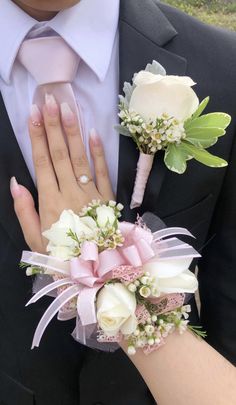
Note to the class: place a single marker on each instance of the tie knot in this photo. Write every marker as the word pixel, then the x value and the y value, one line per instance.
pixel 49 60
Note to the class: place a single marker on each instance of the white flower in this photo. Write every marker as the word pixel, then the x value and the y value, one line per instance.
pixel 172 276
pixel 29 271
pixel 132 287
pixel 183 326
pixel 145 291
pixel 60 244
pixel 105 215
pixel 131 350
pixel 149 329
pixel 116 310
pixel 61 252
pixel 156 95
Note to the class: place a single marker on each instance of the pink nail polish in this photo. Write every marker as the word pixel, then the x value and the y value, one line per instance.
pixel 36 116
pixel 14 187
pixel 51 104
pixel 68 117
pixel 95 138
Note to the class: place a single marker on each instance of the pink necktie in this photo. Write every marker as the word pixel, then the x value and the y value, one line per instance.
pixel 53 65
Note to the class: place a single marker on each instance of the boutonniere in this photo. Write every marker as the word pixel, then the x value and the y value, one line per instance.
pixel 161 112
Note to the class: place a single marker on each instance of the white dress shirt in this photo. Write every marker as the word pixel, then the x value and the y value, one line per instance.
pixel 91 29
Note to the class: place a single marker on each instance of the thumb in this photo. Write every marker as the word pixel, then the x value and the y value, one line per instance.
pixel 27 215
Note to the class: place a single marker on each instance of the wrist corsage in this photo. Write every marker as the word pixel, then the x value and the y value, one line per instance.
pixel 117 279
pixel 162 113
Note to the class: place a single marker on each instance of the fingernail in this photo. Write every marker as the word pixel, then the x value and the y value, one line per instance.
pixel 14 187
pixel 35 115
pixel 51 105
pixel 68 117
pixel 95 138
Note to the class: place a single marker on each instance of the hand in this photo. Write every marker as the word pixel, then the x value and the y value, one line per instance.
pixel 58 169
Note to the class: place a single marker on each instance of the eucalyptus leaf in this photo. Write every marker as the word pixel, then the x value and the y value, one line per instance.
pixel 123 102
pixel 199 111
pixel 175 158
pixel 216 120
pixel 202 156
pixel 122 130
pixel 156 68
pixel 128 91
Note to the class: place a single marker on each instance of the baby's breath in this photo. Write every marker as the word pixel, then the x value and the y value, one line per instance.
pixel 107 237
pixel 153 135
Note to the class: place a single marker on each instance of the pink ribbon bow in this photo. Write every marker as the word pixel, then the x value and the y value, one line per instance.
pixel 91 270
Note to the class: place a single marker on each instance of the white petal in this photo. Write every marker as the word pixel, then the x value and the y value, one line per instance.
pixel 185 80
pixel 129 326
pixel 58 236
pixel 106 300
pixel 67 219
pixel 105 214
pixel 153 100
pixel 144 77
pixel 123 295
pixel 61 252
pixel 88 221
pixel 167 268
pixel 183 283
pixel 81 228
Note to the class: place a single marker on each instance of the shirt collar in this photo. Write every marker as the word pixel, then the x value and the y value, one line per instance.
pixel 89 28
pixel 14 26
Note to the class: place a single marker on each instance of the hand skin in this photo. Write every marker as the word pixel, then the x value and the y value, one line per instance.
pixel 187 371
pixel 43 10
pixel 58 168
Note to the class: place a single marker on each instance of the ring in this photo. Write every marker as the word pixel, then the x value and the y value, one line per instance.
pixel 84 179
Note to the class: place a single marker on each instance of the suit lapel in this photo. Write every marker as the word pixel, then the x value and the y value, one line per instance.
pixel 11 164
pixel 144 31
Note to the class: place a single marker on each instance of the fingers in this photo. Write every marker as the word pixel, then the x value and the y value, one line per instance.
pixel 27 216
pixel 45 175
pixel 76 147
pixel 57 145
pixel 100 166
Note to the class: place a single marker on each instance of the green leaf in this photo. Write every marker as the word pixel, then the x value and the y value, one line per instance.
pixel 122 130
pixel 196 330
pixel 201 108
pixel 215 120
pixel 204 137
pixel 203 143
pixel 202 156
pixel 175 158
pixel 205 133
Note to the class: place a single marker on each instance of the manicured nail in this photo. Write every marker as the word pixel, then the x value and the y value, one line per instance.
pixel 68 117
pixel 36 116
pixel 51 105
pixel 95 138
pixel 14 187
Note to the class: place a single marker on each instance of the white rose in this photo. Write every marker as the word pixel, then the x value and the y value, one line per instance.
pixel 57 234
pixel 116 310
pixel 104 215
pixel 157 94
pixel 61 252
pixel 85 226
pixel 172 276
pixel 60 244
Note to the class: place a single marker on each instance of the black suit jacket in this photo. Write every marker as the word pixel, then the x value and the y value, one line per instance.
pixel 62 372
